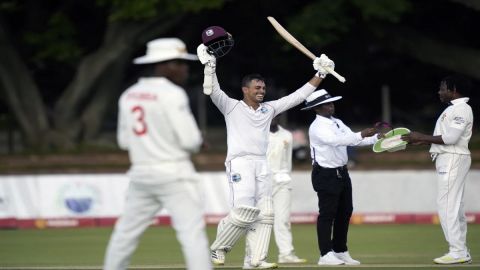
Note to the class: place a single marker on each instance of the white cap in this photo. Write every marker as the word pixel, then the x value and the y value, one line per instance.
pixel 319 97
pixel 164 49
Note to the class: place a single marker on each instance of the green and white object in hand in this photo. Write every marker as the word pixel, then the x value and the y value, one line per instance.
pixel 392 141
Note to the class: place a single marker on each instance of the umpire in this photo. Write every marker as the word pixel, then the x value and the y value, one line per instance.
pixel 329 138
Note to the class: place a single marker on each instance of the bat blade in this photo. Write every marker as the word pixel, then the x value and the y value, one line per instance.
pixel 292 40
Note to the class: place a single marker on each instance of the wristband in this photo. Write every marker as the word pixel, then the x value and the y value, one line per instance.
pixel 321 75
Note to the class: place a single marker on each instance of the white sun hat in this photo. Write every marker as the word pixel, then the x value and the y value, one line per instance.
pixel 164 49
pixel 319 97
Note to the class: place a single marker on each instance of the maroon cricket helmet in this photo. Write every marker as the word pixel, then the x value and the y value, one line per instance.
pixel 218 41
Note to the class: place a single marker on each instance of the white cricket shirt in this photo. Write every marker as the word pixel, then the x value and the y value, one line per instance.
pixel 247 129
pixel 329 138
pixel 459 116
pixel 156 126
pixel 279 154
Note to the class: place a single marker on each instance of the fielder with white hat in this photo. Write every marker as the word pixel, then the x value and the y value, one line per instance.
pixel 157 128
pixel 329 138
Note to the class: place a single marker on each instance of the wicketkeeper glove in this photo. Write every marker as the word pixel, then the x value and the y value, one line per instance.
pixel 204 57
pixel 320 63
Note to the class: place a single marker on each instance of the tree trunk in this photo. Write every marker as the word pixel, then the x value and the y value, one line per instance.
pixel 99 76
pixel 68 107
pixel 94 114
pixel 22 94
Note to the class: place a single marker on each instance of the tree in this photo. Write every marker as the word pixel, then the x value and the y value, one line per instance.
pixel 26 46
pixel 393 23
pixel 60 82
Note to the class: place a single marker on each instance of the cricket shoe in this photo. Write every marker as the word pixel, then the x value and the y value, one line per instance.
pixel 262 265
pixel 290 258
pixel 218 256
pixel 450 259
pixel 346 258
pixel 330 259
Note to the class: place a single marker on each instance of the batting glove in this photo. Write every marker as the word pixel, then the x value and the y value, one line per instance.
pixel 320 63
pixel 204 57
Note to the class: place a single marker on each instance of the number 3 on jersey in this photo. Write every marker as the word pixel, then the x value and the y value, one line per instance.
pixel 140 126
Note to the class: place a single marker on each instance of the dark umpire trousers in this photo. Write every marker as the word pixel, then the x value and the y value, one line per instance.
pixel 335 207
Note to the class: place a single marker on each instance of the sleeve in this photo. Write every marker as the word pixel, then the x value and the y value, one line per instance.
pixel 457 124
pixel 368 140
pixel 459 119
pixel 349 138
pixel 363 141
pixel 292 100
pixel 223 102
pixel 452 135
pixel 184 124
pixel 122 127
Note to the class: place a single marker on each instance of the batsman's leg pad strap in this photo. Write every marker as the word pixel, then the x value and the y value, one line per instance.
pixel 234 226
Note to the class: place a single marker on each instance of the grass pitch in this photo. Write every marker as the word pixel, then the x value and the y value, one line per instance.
pixel 376 246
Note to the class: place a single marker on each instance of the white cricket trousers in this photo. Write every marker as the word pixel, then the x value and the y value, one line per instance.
pixel 181 199
pixel 452 170
pixel 282 200
pixel 249 180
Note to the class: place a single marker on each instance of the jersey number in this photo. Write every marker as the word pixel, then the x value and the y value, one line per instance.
pixel 140 125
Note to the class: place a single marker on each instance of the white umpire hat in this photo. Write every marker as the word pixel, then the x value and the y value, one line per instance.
pixel 164 49
pixel 319 97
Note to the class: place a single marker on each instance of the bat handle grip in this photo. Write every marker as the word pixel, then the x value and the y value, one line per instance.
pixel 208 84
pixel 335 74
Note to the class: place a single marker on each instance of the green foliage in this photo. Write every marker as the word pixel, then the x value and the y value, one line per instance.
pixel 134 10
pixel 387 10
pixel 324 22
pixel 57 41
pixel 190 5
pixel 320 23
pixel 9 5
pixel 147 9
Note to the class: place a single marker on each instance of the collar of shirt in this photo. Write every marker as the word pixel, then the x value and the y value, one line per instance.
pixel 459 100
pixel 250 107
pixel 326 120
pixel 154 80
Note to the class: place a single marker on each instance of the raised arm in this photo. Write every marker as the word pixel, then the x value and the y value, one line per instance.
pixel 211 86
pixel 297 97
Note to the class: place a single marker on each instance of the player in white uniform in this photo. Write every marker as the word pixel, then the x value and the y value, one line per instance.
pixel 449 149
pixel 157 128
pixel 279 158
pixel 248 124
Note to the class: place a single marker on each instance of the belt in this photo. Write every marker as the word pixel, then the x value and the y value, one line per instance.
pixel 337 169
pixel 344 167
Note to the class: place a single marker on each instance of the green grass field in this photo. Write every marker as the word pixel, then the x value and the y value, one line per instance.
pixel 376 246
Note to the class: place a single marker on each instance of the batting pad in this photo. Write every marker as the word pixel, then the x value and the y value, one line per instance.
pixel 232 227
pixel 258 238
